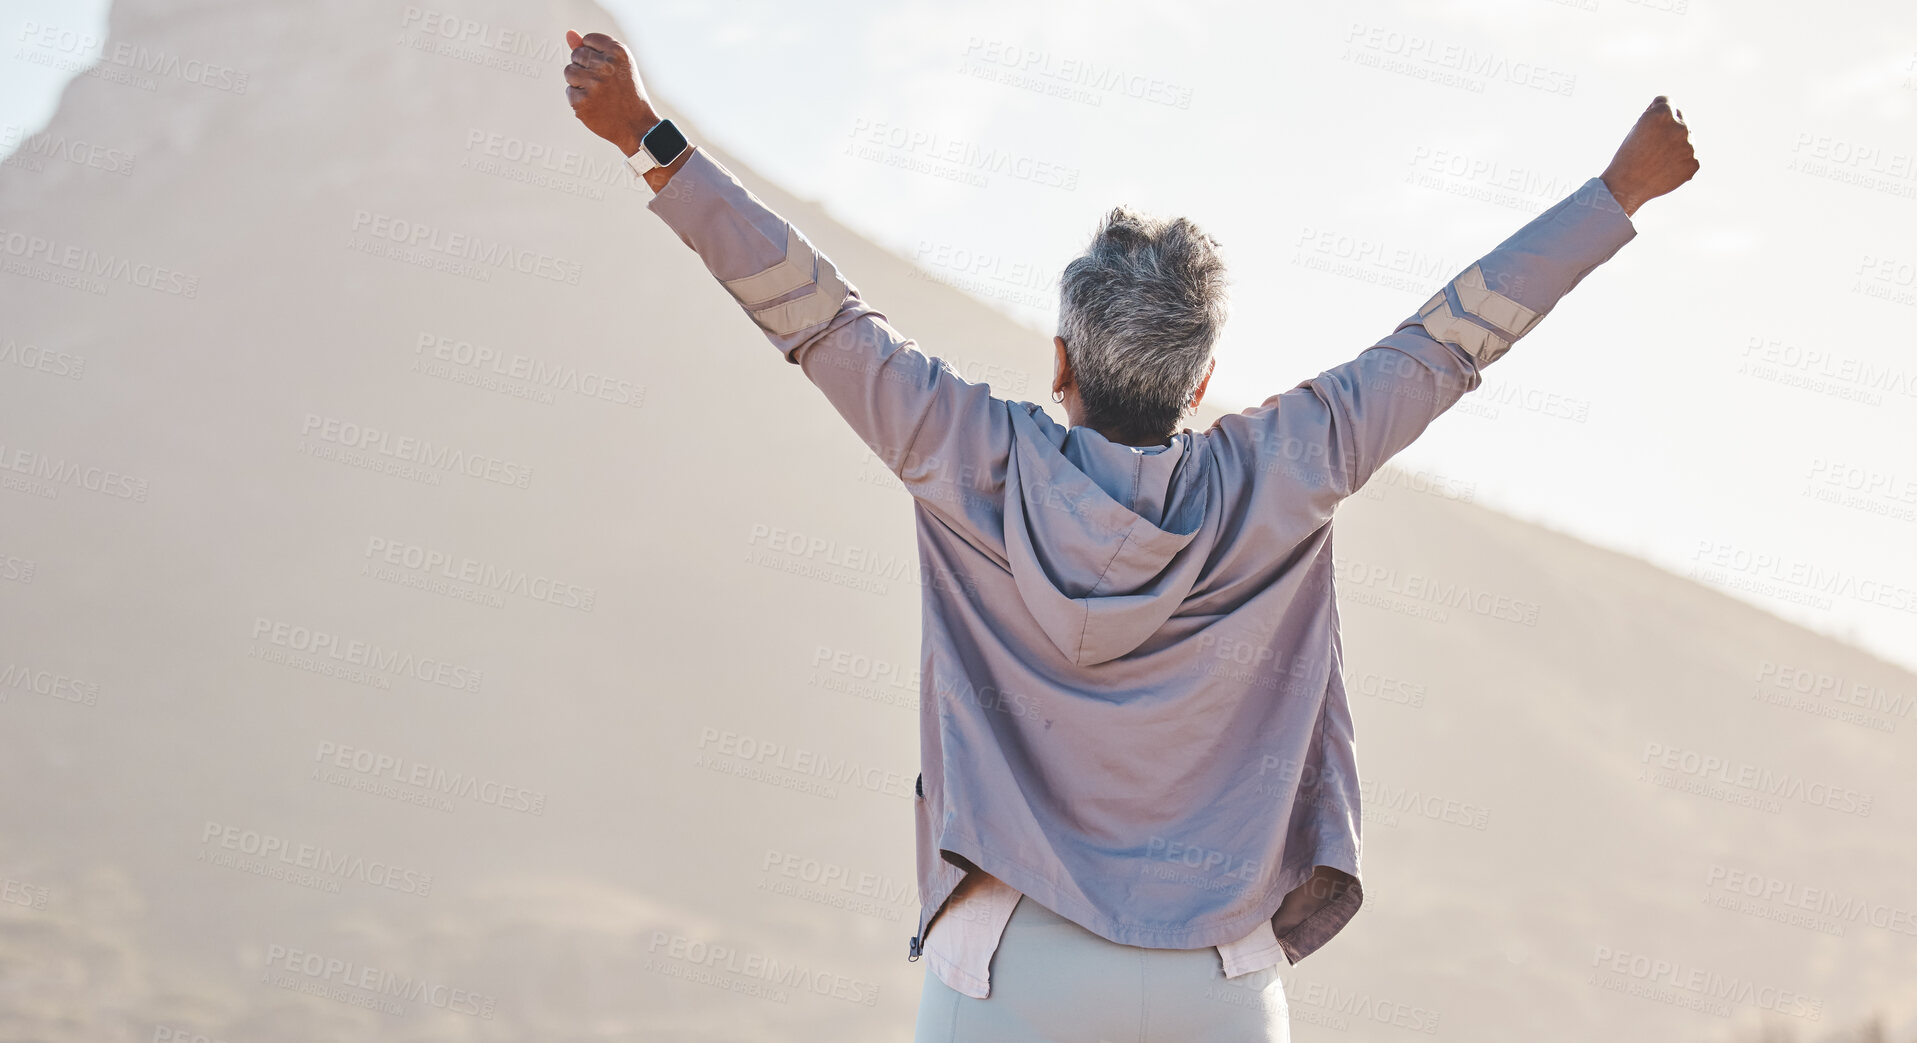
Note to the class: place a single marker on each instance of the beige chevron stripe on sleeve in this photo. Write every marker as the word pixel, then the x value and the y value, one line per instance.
pixel 1493 307
pixel 782 278
pixel 809 310
pixel 1480 343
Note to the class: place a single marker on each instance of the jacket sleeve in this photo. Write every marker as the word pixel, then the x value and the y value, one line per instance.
pixel 1318 443
pixel 942 435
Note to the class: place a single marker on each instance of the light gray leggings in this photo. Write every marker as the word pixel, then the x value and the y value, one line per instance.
pixel 1056 982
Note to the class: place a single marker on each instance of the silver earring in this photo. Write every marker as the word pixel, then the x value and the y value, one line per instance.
pixel 1058 396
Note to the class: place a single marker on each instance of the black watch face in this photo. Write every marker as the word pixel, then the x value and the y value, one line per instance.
pixel 664 142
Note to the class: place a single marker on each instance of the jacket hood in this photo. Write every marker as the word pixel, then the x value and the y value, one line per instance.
pixel 1100 535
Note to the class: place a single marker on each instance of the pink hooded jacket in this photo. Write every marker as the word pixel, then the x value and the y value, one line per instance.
pixel 1132 708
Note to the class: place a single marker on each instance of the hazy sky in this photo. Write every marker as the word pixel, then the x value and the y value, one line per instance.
pixel 1734 396
pixel 29 90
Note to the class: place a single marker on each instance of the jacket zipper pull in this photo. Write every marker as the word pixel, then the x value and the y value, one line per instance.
pixel 912 950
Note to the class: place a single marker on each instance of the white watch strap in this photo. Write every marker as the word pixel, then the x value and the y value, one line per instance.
pixel 641 161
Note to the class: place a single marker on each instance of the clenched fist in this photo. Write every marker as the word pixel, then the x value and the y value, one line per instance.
pixel 605 92
pixel 1655 158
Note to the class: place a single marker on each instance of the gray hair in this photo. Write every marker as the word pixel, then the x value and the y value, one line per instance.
pixel 1139 313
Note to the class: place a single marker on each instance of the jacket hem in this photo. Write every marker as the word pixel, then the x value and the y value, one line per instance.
pixel 957 980
pixel 1028 882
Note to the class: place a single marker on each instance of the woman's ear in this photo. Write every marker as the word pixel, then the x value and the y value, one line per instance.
pixel 1200 393
pixel 1061 365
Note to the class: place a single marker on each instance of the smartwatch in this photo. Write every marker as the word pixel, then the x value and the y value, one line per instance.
pixel 661 145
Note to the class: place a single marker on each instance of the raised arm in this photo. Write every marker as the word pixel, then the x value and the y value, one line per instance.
pixel 1320 442
pixel 945 437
